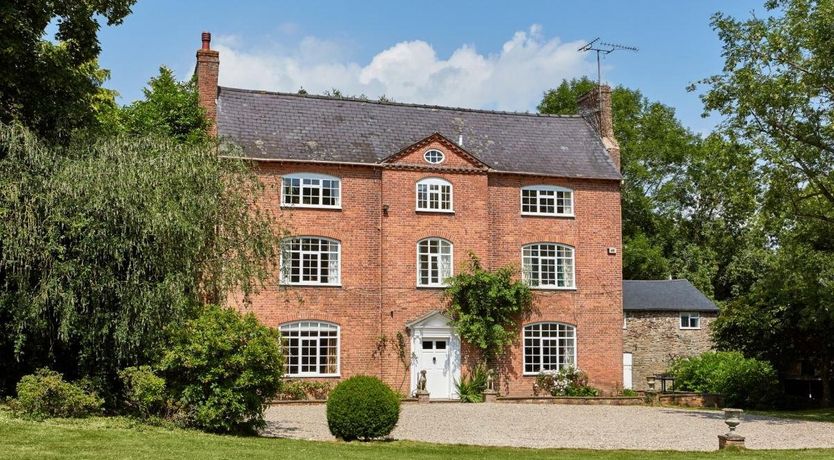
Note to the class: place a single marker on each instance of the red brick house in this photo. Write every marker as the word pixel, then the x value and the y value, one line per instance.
pixel 385 200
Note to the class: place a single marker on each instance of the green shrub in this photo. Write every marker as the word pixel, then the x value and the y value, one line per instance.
pixel 222 368
pixel 46 394
pixel 144 391
pixel 743 382
pixel 302 390
pixel 363 408
pixel 629 392
pixel 471 390
pixel 567 381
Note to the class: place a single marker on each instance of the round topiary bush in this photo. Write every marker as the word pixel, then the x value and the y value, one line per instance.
pixel 363 408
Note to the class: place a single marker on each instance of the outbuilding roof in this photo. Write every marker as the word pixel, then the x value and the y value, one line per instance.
pixel 284 126
pixel 664 295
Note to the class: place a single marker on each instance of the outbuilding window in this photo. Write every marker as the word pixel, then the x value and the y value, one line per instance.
pixel 546 200
pixel 311 349
pixel 434 262
pixel 307 190
pixel 434 195
pixel 310 261
pixel 549 347
pixel 548 266
pixel 690 320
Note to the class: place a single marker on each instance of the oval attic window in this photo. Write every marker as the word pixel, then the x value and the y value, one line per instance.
pixel 433 156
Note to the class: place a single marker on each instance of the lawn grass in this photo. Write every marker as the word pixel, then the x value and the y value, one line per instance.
pixel 811 415
pixel 116 437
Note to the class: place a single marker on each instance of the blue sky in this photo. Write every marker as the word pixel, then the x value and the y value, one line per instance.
pixel 495 55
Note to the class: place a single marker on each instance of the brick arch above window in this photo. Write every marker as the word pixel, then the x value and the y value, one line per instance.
pixel 435 194
pixel 311 190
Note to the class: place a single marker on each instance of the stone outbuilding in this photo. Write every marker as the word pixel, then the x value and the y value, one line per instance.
pixel 662 320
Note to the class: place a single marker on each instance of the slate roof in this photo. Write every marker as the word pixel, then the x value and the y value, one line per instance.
pixel 664 295
pixel 304 127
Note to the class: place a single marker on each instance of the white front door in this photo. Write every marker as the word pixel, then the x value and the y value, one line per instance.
pixel 627 383
pixel 435 348
pixel 434 358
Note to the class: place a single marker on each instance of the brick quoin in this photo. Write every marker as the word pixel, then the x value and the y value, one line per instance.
pixel 378 293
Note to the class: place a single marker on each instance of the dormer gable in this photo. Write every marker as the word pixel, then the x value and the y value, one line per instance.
pixel 435 152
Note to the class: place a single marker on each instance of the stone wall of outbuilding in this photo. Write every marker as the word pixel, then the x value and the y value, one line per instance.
pixel 654 338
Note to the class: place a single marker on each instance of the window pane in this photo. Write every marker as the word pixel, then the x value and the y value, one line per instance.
pixel 548 346
pixel 311 191
pixel 434 262
pixel 547 265
pixel 310 261
pixel 434 195
pixel 316 352
pixel 546 200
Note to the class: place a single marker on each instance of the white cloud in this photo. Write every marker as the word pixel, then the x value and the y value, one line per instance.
pixel 512 79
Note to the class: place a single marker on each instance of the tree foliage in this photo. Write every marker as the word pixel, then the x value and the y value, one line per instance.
pixel 775 96
pixel 54 88
pixel 107 241
pixel 686 199
pixel 222 368
pixel 787 316
pixel 486 306
pixel 170 108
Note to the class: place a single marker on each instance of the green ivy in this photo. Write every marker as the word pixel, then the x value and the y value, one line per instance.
pixel 486 306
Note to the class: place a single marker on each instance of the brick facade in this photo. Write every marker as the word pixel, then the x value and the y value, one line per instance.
pixel 654 338
pixel 378 293
pixel 378 229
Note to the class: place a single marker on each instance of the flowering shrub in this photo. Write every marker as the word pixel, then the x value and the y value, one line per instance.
pixel 567 381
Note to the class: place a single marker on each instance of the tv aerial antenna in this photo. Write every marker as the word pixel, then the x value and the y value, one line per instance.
pixel 603 48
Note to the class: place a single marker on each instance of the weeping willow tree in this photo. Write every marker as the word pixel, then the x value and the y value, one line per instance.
pixel 106 242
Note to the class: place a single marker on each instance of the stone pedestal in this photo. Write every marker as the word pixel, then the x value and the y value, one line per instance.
pixel 490 396
pixel 422 396
pixel 730 440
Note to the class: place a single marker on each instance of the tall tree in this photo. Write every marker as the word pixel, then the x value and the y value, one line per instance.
pixel 777 94
pixel 107 241
pixel 53 87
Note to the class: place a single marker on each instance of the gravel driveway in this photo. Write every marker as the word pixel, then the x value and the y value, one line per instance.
pixel 569 426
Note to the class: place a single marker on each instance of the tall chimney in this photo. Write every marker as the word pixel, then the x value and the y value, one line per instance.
pixel 595 106
pixel 207 72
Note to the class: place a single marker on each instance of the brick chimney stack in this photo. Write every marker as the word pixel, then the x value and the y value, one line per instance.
pixel 207 72
pixel 595 106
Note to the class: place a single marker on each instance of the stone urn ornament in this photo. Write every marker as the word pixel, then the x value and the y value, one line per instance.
pixel 651 381
pixel 732 417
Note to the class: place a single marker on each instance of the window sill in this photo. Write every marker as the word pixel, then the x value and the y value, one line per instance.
pixel 534 374
pixel 556 216
pixel 312 376
pixel 690 328
pixel 310 206
pixel 539 288
pixel 420 286
pixel 433 211
pixel 310 285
